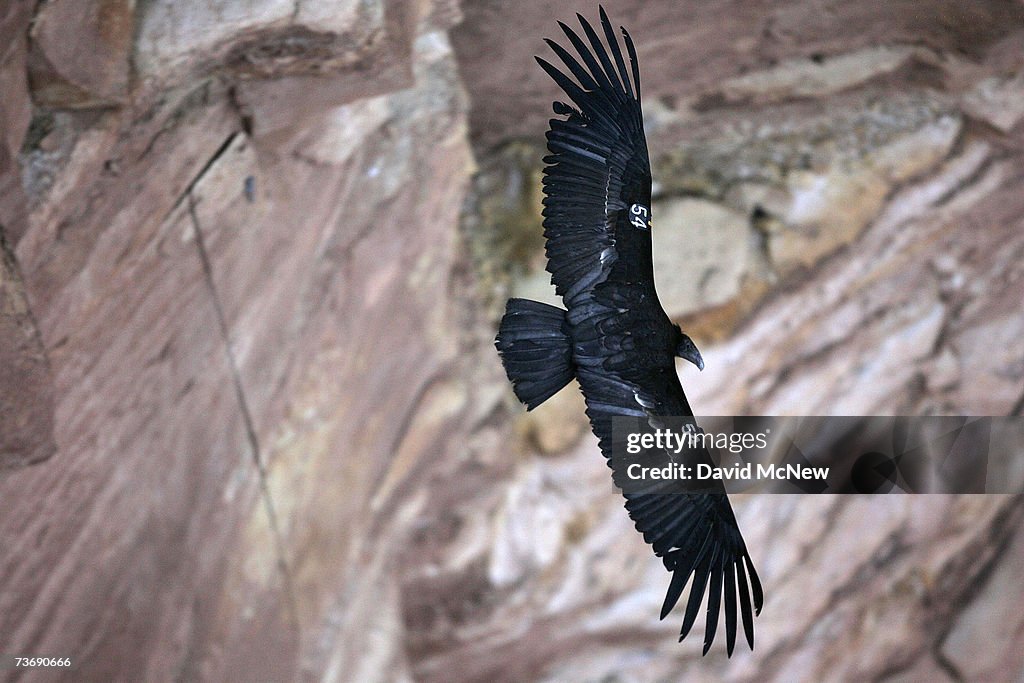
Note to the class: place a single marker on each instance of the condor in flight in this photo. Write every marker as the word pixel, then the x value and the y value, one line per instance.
pixel 614 337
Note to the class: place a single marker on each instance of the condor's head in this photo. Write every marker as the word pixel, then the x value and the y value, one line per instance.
pixel 687 350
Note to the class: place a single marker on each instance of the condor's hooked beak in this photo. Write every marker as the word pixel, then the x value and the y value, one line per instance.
pixel 687 350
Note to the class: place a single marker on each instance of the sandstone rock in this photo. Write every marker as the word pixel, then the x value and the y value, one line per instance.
pixel 879 320
pixel 503 232
pixel 15 108
pixel 366 292
pixel 689 50
pixel 814 197
pixel 989 627
pixel 536 285
pixel 998 100
pixel 280 52
pixel 558 423
pixel 324 69
pixel 944 372
pixel 170 261
pixel 26 389
pixel 702 253
pixel 15 114
pixel 812 78
pixel 174 35
pixel 81 52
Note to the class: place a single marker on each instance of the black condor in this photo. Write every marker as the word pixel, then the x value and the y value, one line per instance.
pixel 614 336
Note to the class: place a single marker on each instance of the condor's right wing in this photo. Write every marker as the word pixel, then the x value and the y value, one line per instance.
pixel 695 534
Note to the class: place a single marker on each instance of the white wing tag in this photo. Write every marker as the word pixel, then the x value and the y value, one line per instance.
pixel 640 217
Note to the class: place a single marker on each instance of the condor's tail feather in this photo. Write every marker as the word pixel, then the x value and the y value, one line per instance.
pixel 535 349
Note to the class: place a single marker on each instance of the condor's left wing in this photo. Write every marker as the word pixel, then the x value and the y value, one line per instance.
pixel 597 182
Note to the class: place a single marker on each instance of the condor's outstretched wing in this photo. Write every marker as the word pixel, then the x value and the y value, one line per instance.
pixel 597 181
pixel 695 534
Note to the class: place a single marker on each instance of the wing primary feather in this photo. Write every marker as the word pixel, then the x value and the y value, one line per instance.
pixel 613 43
pixel 602 54
pixel 675 588
pixel 714 604
pixel 745 611
pixel 755 584
pixel 730 608
pixel 587 56
pixel 581 74
pixel 633 61
pixel 700 582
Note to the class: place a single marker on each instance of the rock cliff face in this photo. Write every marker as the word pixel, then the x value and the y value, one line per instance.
pixel 241 295
pixel 251 423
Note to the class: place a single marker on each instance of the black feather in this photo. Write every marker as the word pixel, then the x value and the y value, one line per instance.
pixel 602 55
pixel 745 611
pixel 584 52
pixel 681 572
pixel 609 35
pixel 730 608
pixel 714 603
pixel 700 581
